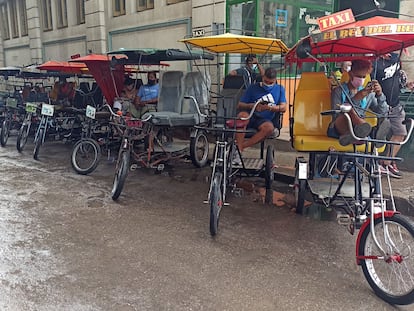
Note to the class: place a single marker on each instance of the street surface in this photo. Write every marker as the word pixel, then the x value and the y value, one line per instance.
pixel 65 245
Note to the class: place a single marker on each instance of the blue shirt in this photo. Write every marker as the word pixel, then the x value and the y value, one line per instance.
pixel 148 92
pixel 256 91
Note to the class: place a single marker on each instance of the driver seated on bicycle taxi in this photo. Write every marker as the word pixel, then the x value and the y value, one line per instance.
pixel 147 97
pixel 363 98
pixel 127 96
pixel 273 102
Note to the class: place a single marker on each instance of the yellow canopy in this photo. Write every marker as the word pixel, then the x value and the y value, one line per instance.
pixel 231 43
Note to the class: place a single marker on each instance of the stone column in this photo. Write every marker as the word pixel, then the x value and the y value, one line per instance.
pixel 34 31
pixel 95 20
pixel 1 51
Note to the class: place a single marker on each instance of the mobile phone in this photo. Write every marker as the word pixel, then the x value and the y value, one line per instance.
pixel 369 85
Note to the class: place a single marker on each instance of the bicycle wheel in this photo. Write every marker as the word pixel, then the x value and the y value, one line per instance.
pixel 22 137
pixel 121 174
pixel 85 156
pixel 38 143
pixel 392 277
pixel 5 132
pixel 199 149
pixel 216 202
pixel 300 191
pixel 269 167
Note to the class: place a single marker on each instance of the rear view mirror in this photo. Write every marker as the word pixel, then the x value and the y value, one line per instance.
pixel 304 48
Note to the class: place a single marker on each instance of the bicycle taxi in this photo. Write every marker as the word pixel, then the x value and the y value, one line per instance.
pixel 225 124
pixel 147 139
pixel 355 190
pixel 10 102
pixel 55 110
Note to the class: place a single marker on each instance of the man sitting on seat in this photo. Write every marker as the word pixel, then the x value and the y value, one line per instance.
pixel 274 99
pixel 147 97
pixel 370 97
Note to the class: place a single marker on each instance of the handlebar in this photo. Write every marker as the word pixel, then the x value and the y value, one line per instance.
pixel 344 109
pixel 259 101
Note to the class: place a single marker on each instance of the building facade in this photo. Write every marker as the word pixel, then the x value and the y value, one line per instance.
pixel 34 31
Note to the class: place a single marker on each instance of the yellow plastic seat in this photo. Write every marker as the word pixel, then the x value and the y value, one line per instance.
pixel 313 96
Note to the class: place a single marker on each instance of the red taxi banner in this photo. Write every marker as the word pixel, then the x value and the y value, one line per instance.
pixel 364 31
pixel 336 20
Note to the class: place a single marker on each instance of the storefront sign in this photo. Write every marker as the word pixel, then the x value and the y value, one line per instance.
pixel 335 20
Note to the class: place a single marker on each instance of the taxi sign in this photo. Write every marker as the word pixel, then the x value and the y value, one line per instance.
pixel 31 107
pixel 47 110
pixel 337 19
pixel 90 111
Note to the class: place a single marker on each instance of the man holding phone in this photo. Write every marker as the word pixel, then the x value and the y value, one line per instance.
pixel 361 98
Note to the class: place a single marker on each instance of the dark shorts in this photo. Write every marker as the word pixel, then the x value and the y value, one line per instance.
pixel 397 116
pixel 256 121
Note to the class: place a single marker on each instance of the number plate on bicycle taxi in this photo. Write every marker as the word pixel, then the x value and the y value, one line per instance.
pixel 90 112
pixel 11 102
pixel 48 110
pixel 133 123
pixel 31 107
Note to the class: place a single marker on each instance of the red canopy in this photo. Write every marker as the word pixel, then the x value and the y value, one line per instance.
pixel 370 37
pixel 110 79
pixel 65 67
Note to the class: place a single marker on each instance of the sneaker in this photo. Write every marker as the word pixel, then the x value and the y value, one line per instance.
pixel 383 170
pixel 345 140
pixel 236 161
pixel 362 130
pixel 394 171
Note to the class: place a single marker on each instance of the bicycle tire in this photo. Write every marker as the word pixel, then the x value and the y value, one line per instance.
pixel 5 132
pixel 216 202
pixel 199 148
pixel 120 174
pixel 22 137
pixel 402 293
pixel 38 144
pixel 269 167
pixel 85 156
pixel 300 192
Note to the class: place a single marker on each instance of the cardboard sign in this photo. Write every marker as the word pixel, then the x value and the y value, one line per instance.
pixel 337 19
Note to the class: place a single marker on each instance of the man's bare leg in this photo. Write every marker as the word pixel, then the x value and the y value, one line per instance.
pixel 264 130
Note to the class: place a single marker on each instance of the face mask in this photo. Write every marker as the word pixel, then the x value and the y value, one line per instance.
pixel 151 82
pixel 267 87
pixel 357 82
pixel 254 67
pixel 347 68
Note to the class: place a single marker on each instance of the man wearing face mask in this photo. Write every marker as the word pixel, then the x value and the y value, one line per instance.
pixel 274 102
pixel 363 98
pixel 250 72
pixel 147 97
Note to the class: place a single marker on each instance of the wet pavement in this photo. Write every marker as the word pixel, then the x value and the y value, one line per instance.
pixel 65 245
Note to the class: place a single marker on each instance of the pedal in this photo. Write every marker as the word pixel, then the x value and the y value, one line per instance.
pixel 343 219
pixel 160 167
pixel 133 167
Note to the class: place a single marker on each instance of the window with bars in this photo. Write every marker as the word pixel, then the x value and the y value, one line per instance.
pixel 80 11
pixel 13 19
pixel 62 14
pixel 46 15
pixel 118 7
pixel 5 30
pixel 143 5
pixel 23 18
